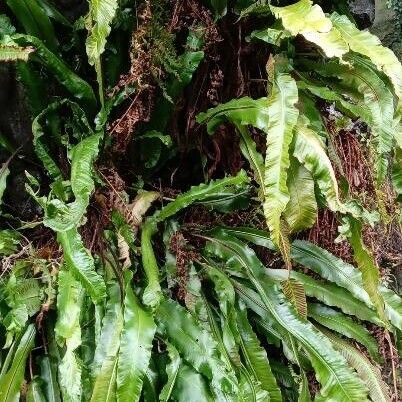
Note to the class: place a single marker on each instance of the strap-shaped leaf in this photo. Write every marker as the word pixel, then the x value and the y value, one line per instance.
pixel 68 332
pixel 79 88
pixel 62 217
pixel 329 294
pixel 344 325
pixel 334 270
pixel 199 193
pixel 172 372
pixel 99 19
pixel 34 393
pixel 283 115
pixel 337 380
pixel 101 14
pixel 370 274
pixel 11 381
pixel 34 20
pixel 244 111
pixel 105 359
pixel 330 267
pixel 48 375
pixel 81 263
pixel 374 103
pixel 310 151
pixel 332 95
pixel 370 374
pixel 393 306
pixel 152 293
pixel 256 357
pixel 196 345
pixel 249 150
pixel 301 210
pixel 135 346
pixel 309 20
pixel 369 45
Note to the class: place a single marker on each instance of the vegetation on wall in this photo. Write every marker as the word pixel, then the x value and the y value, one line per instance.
pixel 206 206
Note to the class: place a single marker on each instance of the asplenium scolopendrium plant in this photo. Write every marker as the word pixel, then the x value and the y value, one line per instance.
pixel 362 78
pixel 242 331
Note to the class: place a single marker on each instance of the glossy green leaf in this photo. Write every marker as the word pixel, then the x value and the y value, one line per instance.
pixel 152 293
pixel 53 13
pixel 68 333
pixel 375 104
pixel 332 95
pixel 243 111
pixel 77 87
pixel 11 381
pixel 104 366
pixel 135 346
pixel 255 356
pixel 195 345
pixel 249 151
pixel 48 377
pixel 34 20
pixel 369 45
pixel 172 372
pixel 301 211
pixel 330 267
pixel 99 20
pixel 310 151
pixel 199 193
pixel 333 269
pixel 329 294
pixel 309 20
pixel 282 114
pixel 34 393
pixel 63 217
pixel 344 325
pixel 337 380
pixel 370 274
pixel 378 389
pixel 345 275
pixel 79 260
pixel 393 306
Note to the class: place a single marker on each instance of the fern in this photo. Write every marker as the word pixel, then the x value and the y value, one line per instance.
pixel 134 265
pixel 378 390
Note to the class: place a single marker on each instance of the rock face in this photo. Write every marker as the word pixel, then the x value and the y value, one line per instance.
pixel 363 11
pixel 387 25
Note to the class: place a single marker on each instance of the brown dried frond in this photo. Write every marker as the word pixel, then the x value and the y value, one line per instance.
pixel 139 76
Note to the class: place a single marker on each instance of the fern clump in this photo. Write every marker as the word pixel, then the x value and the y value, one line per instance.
pixel 177 253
